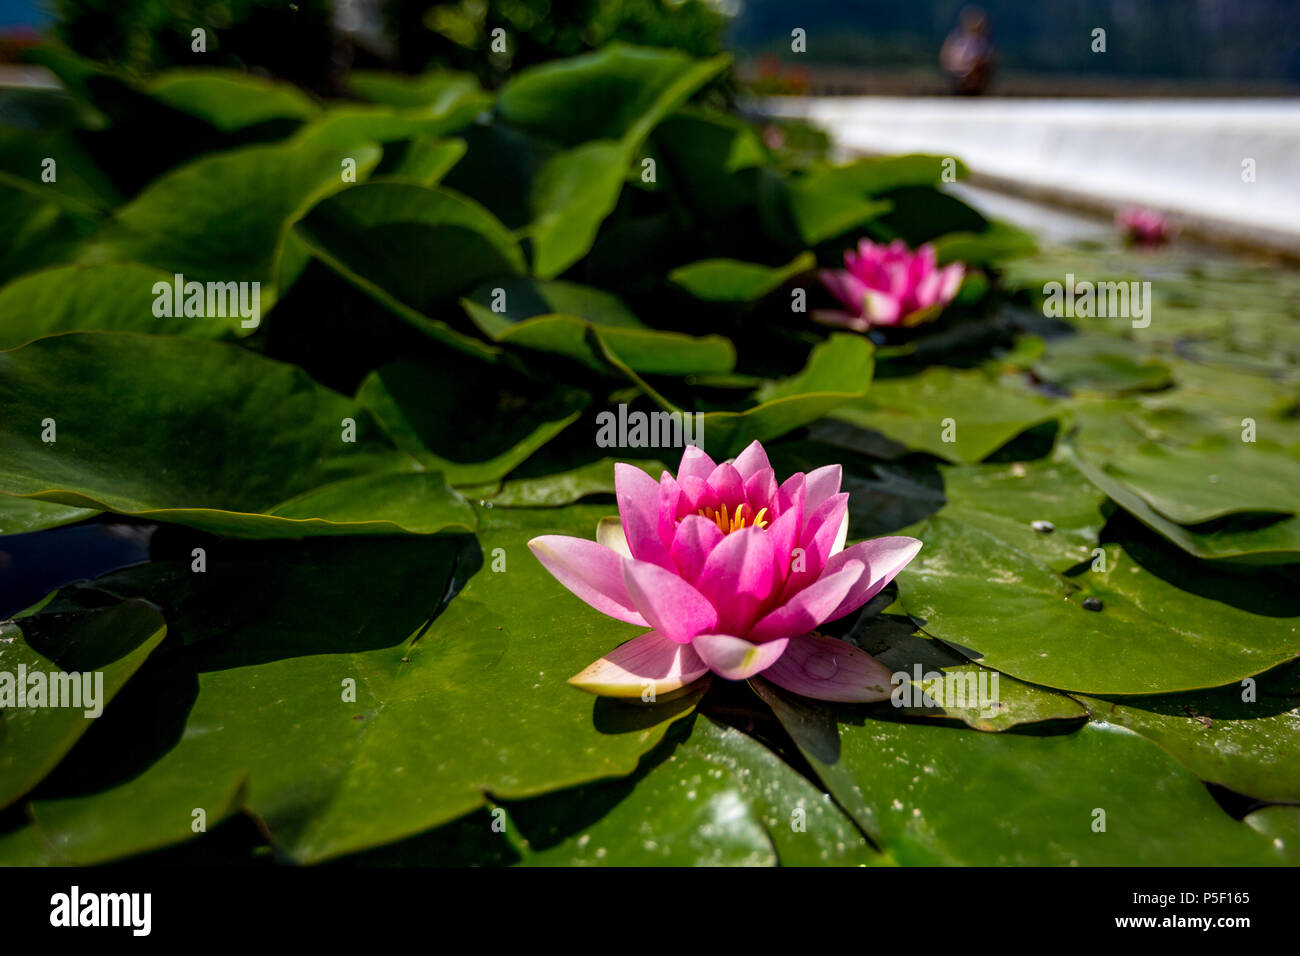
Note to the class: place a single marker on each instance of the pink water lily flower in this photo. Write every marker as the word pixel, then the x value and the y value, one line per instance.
pixel 1145 227
pixel 732 573
pixel 889 285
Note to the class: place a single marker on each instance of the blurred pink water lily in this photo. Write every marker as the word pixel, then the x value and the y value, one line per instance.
pixel 1145 227
pixel 732 573
pixel 889 285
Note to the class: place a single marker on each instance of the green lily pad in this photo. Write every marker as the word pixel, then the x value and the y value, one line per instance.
pixel 1274 542
pixel 38 232
pixel 133 421
pixel 934 681
pixel 97 649
pixel 424 161
pixel 561 317
pixel 1245 737
pixel 838 370
pixel 1214 477
pixel 1282 826
pixel 80 186
pixel 418 407
pixel 1007 501
pixel 821 212
pixel 21 515
pixel 717 799
pixel 713 161
pixel 978 412
pixel 728 280
pixel 619 93
pixel 1162 625
pixel 995 245
pixel 229 99
pixel 430 89
pixel 933 795
pixel 109 296
pixel 1101 363
pixel 353 123
pixel 564 487
pixel 446 715
pixel 422 245
pixel 224 217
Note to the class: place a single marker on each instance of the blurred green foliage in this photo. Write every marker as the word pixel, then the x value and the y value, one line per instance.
pixel 313 42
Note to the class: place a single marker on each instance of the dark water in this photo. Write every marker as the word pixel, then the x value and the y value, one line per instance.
pixel 32 565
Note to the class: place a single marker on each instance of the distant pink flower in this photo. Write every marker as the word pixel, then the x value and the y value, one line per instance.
pixel 889 285
pixel 1145 227
pixel 732 574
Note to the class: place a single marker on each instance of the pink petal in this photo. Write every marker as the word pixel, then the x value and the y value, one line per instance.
pixel 592 572
pixel 950 281
pixel 695 463
pixel 696 494
pixel 669 604
pixel 638 504
pixel 671 500
pixel 811 606
pixel 818 539
pixel 792 494
pixel 695 539
pixel 726 481
pixel 752 460
pixel 824 668
pixel 883 557
pixel 820 484
pixel 882 308
pixel 784 534
pixel 649 662
pixel 760 491
pixel 734 657
pixel 738 577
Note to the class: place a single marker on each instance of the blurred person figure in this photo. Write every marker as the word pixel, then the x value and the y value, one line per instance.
pixel 967 54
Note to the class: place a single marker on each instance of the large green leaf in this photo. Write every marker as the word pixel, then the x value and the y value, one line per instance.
pixel 1008 500
pixel 979 412
pixel 1101 363
pixel 933 795
pixel 354 123
pixel 945 685
pixel 838 370
pixel 250 712
pixel 434 89
pixel 720 798
pixel 561 317
pixel 110 296
pixel 229 99
pixel 134 418
pixel 421 409
pixel 1242 737
pixel 572 194
pixel 617 93
pixel 79 185
pixel 1275 541
pixel 21 515
pixel 97 649
pixel 1161 625
pixel 422 245
pixel 729 280
pixel 38 232
pixel 712 161
pixel 224 217
pixel 1214 477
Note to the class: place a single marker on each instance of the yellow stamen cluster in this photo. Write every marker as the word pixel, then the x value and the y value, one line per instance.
pixel 736 521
